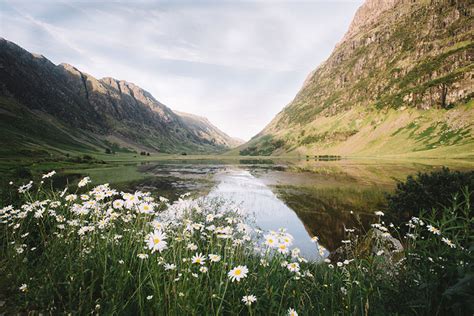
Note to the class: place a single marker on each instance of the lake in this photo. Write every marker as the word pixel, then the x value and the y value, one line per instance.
pixel 308 198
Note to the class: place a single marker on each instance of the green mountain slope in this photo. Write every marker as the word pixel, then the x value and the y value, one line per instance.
pixel 48 107
pixel 399 83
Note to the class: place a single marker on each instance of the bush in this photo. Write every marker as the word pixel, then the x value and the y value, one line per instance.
pixel 427 191
pixel 437 277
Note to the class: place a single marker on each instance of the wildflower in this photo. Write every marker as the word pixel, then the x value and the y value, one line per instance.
pixel 249 299
pixel 346 241
pixel 169 266
pixel 192 247
pixel 121 261
pixel 149 297
pixel 315 239
pixel 292 312
pixel 157 241
pixel 264 263
pixel 379 213
pixel 321 250
pixel 49 174
pixel 295 253
pixel 23 287
pixel 433 230
pixel 238 273
pixel 287 239
pixel 214 258
pixel 20 250
pixel 270 240
pixel 282 248
pixel 339 264
pixel 70 197
pixel 26 187
pixel 146 208
pixel 198 258
pixel 157 225
pixel 142 256
pixel 308 274
pixel 448 242
pixel 203 269
pixel 84 182
pixel 293 267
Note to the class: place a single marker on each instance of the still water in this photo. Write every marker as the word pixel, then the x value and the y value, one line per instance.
pixel 307 198
pixel 259 203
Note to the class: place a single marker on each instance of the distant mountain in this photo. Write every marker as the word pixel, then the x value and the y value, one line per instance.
pixel 204 129
pixel 53 107
pixel 400 82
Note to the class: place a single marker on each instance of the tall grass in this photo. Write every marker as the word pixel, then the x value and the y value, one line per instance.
pixel 99 251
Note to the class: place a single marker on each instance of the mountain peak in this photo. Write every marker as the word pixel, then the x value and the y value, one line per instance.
pixel 401 76
pixel 367 14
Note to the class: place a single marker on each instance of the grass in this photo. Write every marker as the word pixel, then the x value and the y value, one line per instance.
pixel 114 253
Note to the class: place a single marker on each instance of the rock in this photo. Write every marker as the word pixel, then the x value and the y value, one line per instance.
pixel 378 243
pixel 374 244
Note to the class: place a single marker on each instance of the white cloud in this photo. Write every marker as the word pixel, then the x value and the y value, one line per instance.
pixel 236 62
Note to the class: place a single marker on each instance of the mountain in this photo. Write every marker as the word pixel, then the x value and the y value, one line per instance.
pixel 400 82
pixel 204 129
pixel 44 106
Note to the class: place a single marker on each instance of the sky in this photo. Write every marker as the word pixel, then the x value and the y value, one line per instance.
pixel 238 63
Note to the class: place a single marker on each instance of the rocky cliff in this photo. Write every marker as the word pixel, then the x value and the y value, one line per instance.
pixel 402 74
pixel 60 106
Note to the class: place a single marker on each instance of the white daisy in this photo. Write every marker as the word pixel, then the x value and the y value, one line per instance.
pixel 293 266
pixel 156 241
pixel 198 258
pixel 292 312
pixel 238 273
pixel 249 299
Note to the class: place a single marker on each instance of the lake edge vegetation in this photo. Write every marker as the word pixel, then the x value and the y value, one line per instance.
pixel 93 250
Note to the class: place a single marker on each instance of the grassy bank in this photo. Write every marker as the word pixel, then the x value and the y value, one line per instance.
pixel 95 250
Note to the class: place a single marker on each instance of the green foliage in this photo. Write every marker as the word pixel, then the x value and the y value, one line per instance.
pixel 438 275
pixel 69 254
pixel 265 147
pixel 427 191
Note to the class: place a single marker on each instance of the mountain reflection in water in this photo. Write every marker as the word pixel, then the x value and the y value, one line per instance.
pixel 268 211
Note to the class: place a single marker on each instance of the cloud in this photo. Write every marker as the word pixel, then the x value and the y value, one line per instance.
pixel 236 62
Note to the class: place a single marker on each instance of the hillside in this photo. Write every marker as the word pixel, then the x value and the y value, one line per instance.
pixel 400 82
pixel 204 129
pixel 48 107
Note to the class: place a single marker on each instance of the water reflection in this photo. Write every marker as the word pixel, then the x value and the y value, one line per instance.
pixel 269 212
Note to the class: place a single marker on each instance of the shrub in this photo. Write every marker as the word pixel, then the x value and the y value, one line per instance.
pixel 427 191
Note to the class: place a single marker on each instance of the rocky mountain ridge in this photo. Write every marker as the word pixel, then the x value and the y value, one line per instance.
pixel 81 110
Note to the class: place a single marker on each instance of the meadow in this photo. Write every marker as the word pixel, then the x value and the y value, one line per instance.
pixel 90 249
